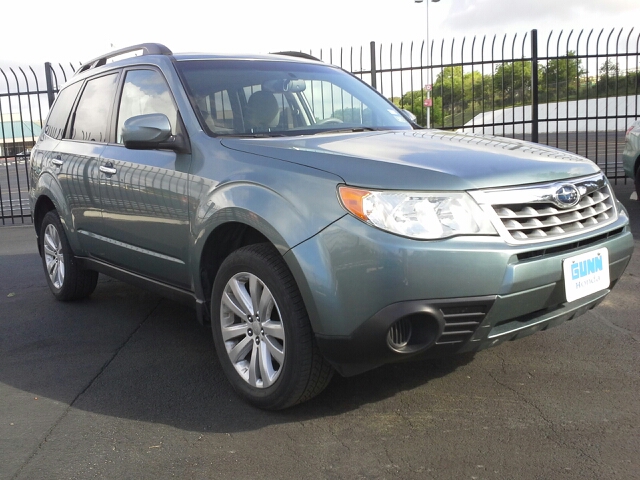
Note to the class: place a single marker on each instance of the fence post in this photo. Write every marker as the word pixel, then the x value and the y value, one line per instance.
pixel 47 75
pixel 534 85
pixel 374 72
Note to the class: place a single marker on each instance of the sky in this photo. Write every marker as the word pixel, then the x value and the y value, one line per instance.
pixel 72 31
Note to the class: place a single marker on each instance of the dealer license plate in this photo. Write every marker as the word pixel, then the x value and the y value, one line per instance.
pixel 586 273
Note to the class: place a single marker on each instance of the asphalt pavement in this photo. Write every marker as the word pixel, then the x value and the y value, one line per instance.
pixel 126 385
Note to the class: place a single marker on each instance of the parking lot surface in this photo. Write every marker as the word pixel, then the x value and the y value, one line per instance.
pixel 126 385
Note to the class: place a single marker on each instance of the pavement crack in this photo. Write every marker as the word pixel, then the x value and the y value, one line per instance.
pixel 407 418
pixel 503 363
pixel 389 463
pixel 610 324
pixel 89 384
pixel 115 354
pixel 340 441
pixel 558 439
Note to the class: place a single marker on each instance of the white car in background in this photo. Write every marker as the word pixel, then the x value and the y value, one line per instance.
pixel 631 155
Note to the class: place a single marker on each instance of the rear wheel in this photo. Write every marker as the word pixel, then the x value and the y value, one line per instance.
pixel 66 279
pixel 262 332
pixel 638 184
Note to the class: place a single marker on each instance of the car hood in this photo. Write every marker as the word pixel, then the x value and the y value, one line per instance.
pixel 421 159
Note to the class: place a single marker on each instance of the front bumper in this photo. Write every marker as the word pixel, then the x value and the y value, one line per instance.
pixel 471 330
pixel 630 154
pixel 628 160
pixel 473 292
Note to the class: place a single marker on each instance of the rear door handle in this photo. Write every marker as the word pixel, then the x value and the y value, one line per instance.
pixel 108 169
pixel 57 161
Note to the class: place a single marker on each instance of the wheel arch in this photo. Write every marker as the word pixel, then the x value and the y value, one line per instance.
pixel 220 243
pixel 240 214
pixel 43 205
pixel 48 196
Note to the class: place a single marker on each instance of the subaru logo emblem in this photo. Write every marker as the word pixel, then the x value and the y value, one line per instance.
pixel 566 196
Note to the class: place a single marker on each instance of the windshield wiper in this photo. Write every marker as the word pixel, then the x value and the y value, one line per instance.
pixel 347 130
pixel 299 132
pixel 252 135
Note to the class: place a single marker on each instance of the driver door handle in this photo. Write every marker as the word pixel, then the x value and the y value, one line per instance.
pixel 108 169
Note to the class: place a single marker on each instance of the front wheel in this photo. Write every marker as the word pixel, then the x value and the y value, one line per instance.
pixel 262 332
pixel 66 279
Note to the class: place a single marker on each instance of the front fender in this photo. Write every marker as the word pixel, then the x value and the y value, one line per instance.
pixel 287 209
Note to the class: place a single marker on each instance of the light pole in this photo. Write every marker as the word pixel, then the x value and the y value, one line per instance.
pixel 430 76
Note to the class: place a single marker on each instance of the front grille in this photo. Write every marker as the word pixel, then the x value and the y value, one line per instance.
pixel 537 221
pixel 534 213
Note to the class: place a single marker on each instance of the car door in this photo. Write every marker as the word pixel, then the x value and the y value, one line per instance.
pixel 76 158
pixel 144 193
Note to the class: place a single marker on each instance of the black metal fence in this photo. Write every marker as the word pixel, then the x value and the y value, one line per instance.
pixel 577 91
pixel 25 97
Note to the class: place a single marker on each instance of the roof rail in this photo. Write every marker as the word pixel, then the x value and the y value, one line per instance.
pixel 147 49
pixel 299 55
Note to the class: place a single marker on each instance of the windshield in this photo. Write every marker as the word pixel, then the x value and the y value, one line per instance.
pixel 258 98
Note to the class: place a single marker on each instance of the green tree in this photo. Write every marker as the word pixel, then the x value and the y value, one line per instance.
pixel 477 94
pixel 512 84
pixel 463 94
pixel 414 102
pixel 609 80
pixel 448 87
pixel 559 78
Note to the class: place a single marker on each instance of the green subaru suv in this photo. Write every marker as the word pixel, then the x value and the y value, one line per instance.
pixel 308 220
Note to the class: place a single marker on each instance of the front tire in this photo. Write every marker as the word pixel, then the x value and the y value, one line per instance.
pixel 262 333
pixel 66 279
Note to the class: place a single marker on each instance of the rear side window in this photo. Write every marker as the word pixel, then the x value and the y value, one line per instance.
pixel 144 92
pixel 59 115
pixel 92 115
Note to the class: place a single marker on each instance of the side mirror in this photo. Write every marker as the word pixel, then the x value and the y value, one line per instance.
pixel 146 131
pixel 409 115
pixel 151 131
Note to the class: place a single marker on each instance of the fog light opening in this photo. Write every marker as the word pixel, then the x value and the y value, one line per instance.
pixel 413 333
pixel 399 334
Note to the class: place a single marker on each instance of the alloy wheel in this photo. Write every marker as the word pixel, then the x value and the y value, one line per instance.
pixel 54 258
pixel 252 330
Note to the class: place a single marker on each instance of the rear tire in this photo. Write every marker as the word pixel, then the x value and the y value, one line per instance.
pixel 262 333
pixel 638 184
pixel 66 279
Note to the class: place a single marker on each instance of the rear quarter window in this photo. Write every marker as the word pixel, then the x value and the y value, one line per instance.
pixel 59 115
pixel 92 114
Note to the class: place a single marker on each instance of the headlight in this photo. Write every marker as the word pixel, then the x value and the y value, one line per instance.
pixel 424 215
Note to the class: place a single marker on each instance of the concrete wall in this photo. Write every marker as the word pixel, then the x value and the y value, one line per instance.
pixel 552 117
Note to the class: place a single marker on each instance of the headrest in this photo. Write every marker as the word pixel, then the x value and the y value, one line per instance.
pixel 262 110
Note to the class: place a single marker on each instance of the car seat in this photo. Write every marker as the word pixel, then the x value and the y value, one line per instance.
pixel 262 112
